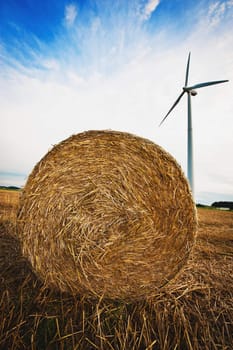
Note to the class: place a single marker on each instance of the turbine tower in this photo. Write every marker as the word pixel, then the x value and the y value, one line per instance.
pixel 190 92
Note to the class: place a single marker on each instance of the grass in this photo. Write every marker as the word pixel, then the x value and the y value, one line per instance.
pixel 193 312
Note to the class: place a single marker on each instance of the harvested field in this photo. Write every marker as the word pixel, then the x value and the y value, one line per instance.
pixel 193 312
pixel 8 204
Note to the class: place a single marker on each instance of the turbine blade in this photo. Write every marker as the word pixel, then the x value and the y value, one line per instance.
pixel 173 106
pixel 187 71
pixel 201 85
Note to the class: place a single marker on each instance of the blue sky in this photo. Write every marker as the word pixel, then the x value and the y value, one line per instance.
pixel 70 66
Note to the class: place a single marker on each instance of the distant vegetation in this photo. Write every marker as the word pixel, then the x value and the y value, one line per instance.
pixel 199 205
pixel 217 205
pixel 226 205
pixel 10 188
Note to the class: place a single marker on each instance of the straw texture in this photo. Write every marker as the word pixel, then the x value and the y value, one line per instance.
pixel 107 214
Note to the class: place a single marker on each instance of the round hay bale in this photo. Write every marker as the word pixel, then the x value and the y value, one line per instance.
pixel 107 213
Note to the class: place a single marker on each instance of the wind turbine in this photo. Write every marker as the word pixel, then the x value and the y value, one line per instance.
pixel 190 92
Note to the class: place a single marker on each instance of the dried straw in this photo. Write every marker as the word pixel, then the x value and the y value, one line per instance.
pixel 109 214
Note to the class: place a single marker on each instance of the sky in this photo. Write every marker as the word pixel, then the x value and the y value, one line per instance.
pixel 71 66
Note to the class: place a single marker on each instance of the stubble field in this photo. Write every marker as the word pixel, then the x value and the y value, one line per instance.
pixel 195 311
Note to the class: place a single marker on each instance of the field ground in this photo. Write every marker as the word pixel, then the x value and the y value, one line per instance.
pixel 8 204
pixel 193 312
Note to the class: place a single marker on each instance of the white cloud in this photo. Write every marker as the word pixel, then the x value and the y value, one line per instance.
pixel 95 25
pixel 70 14
pixel 216 13
pixel 149 8
pixel 51 64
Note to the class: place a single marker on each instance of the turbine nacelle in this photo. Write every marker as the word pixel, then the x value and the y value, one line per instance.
pixel 193 92
pixel 190 91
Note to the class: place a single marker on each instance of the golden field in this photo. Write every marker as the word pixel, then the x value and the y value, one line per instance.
pixel 194 311
pixel 8 203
